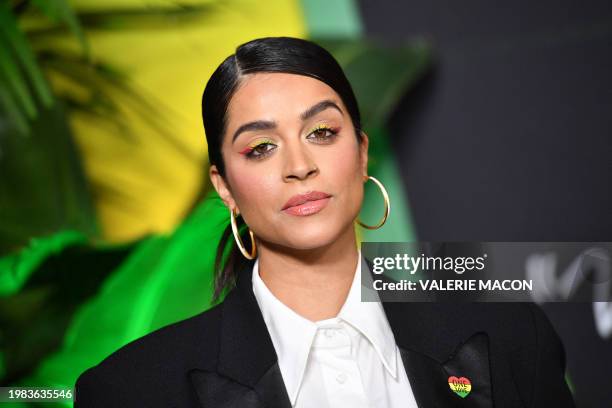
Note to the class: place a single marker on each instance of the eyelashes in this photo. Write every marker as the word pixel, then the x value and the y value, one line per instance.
pixel 321 134
pixel 255 149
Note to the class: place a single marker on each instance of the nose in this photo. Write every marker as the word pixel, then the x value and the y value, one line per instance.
pixel 299 163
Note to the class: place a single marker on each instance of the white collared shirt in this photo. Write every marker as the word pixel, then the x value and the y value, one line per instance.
pixel 350 360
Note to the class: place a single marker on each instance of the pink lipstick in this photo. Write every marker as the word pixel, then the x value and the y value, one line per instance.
pixel 306 204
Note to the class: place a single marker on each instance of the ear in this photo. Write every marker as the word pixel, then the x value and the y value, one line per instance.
pixel 363 154
pixel 221 187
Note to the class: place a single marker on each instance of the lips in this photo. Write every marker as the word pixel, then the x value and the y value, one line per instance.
pixel 300 199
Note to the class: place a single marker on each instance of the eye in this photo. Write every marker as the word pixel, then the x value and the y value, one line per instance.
pixel 260 150
pixel 322 133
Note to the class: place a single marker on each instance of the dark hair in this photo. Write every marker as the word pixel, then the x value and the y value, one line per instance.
pixel 270 54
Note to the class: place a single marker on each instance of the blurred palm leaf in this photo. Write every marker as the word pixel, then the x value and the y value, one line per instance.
pixel 93 90
pixel 21 78
pixel 43 187
pixel 18 68
pixel 61 12
pixel 137 18
pixel 40 295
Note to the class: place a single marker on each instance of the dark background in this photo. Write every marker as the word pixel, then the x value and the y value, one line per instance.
pixel 509 137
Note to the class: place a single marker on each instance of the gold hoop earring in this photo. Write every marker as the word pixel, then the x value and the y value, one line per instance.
pixel 387 206
pixel 253 253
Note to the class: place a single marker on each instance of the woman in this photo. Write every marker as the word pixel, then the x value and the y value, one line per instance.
pixel 289 158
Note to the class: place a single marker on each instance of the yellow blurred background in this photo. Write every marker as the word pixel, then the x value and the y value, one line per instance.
pixel 155 183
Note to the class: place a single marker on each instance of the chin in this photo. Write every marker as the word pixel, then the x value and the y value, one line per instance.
pixel 312 235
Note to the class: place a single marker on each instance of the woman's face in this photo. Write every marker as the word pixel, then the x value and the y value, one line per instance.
pixel 289 135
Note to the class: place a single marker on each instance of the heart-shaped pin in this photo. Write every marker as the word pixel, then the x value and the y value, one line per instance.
pixel 460 386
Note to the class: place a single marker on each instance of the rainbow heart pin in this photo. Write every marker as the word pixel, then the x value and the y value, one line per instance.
pixel 460 386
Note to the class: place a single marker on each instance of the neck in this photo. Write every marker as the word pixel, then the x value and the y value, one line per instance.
pixel 314 283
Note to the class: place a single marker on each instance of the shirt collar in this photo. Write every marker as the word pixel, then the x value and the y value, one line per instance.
pixel 370 319
pixel 292 334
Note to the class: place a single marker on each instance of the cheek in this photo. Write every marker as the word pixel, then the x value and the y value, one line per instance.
pixel 343 170
pixel 252 190
pixel 341 159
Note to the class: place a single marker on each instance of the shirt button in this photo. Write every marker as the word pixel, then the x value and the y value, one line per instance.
pixel 341 378
pixel 329 333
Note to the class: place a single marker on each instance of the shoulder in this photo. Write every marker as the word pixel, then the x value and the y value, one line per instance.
pixel 520 331
pixel 537 357
pixel 510 323
pixel 513 324
pixel 154 364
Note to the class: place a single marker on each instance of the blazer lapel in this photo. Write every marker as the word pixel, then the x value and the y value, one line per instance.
pixel 247 373
pixel 462 380
pixel 468 373
pixel 441 374
pixel 215 390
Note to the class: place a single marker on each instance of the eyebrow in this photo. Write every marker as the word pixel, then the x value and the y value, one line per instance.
pixel 268 124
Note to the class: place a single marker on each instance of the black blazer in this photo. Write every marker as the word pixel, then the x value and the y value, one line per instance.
pixel 224 358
